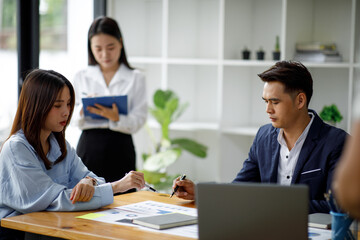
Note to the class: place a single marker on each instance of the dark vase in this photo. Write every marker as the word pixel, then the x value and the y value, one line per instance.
pixel 246 54
pixel 276 55
pixel 260 55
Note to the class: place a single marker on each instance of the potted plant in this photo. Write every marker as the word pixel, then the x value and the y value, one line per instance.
pixel 331 114
pixel 166 151
pixel 260 54
pixel 246 53
pixel 276 52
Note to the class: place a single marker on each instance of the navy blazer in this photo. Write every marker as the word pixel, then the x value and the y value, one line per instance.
pixel 315 166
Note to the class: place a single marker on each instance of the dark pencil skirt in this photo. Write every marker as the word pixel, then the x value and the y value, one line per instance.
pixel 107 153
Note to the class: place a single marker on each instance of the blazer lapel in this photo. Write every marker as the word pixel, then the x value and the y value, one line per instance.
pixel 309 145
pixel 275 148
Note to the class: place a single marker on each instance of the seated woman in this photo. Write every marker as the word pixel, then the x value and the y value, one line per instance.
pixel 39 170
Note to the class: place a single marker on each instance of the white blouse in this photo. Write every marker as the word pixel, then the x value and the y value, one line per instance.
pixel 90 82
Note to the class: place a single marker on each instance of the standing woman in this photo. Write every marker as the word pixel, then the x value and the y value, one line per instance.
pixel 39 170
pixel 106 146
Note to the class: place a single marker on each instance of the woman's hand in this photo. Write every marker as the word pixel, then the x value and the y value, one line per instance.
pixel 131 180
pixel 109 113
pixel 83 191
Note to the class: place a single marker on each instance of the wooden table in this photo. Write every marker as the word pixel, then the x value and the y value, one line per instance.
pixel 66 225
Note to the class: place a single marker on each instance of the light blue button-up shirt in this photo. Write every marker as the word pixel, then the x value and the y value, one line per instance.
pixel 26 185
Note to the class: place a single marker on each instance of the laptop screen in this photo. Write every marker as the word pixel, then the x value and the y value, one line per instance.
pixel 252 211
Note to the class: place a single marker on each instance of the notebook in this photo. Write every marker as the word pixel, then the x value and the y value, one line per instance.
pixel 320 220
pixel 166 220
pixel 252 211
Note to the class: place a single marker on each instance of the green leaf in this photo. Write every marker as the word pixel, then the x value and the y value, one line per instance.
pixel 179 111
pixel 162 97
pixel 191 146
pixel 159 114
pixel 171 107
pixel 145 156
pixel 162 160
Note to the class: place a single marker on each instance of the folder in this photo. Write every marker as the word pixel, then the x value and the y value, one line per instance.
pixel 107 101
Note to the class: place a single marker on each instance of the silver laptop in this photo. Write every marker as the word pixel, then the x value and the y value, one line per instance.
pixel 252 211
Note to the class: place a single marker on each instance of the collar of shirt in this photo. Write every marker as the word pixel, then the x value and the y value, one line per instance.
pixel 122 74
pixel 288 159
pixel 54 151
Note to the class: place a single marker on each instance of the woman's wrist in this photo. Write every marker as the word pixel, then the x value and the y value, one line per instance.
pixel 93 180
pixel 115 187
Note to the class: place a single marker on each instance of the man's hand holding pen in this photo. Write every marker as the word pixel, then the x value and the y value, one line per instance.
pixel 185 190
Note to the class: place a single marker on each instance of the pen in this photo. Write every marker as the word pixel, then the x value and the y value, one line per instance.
pixel 151 188
pixel 177 187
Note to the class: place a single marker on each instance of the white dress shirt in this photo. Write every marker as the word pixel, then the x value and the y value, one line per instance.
pixel 26 185
pixel 90 82
pixel 288 159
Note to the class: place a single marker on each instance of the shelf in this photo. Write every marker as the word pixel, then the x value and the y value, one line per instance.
pixel 229 62
pixel 253 24
pixel 257 63
pixel 248 63
pixel 186 126
pixel 245 131
pixel 327 65
pixel 199 57
pixel 149 60
pixel 193 61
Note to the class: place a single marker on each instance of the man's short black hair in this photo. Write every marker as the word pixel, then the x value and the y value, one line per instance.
pixel 294 75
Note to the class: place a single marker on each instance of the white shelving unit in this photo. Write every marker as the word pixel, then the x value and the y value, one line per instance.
pixel 194 48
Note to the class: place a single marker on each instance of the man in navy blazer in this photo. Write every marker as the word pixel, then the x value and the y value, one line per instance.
pixel 297 147
pixel 315 165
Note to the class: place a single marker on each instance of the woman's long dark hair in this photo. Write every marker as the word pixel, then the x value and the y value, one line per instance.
pixel 38 95
pixel 110 27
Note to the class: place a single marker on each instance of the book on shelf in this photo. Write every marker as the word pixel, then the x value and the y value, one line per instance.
pixel 315 46
pixel 165 221
pixel 317 52
pixel 318 57
pixel 320 220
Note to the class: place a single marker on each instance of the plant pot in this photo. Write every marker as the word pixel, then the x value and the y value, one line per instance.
pixel 260 55
pixel 276 55
pixel 246 54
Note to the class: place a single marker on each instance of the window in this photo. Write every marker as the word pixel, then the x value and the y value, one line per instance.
pixel 8 65
pixel 63 48
pixel 53 25
pixel 63 41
